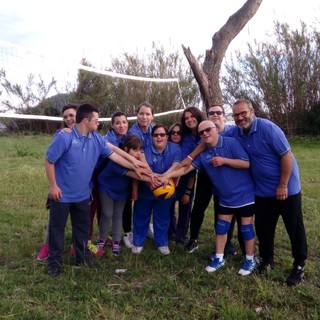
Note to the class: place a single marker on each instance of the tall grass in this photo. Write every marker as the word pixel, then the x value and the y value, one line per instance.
pixel 154 286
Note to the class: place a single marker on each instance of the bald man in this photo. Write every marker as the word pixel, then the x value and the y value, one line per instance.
pixel 227 165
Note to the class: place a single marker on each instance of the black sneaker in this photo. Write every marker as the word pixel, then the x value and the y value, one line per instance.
pixel 230 249
pixel 263 268
pixel 87 263
pixel 192 245
pixel 296 276
pixel 53 271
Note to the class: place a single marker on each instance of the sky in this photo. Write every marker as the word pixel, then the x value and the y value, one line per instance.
pixel 98 29
pixel 64 31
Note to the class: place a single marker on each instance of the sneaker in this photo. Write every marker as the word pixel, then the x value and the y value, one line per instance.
pixel 164 250
pixel 116 248
pixel 215 264
pixel 192 245
pixel 53 271
pixel 43 253
pixel 211 256
pixel 150 231
pixel 263 268
pixel 101 244
pixel 136 250
pixel 296 276
pixel 247 267
pixel 88 262
pixel 128 239
pixel 230 249
pixel 95 250
pixel 72 251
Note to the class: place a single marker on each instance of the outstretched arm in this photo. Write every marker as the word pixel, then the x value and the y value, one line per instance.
pixel 186 162
pixel 136 163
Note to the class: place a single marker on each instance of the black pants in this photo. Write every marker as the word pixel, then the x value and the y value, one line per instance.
pixel 201 201
pixel 127 215
pixel 268 210
pixel 80 221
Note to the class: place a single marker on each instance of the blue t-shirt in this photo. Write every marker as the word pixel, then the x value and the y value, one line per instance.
pixel 189 143
pixel 113 138
pixel 74 157
pixel 265 144
pixel 159 163
pixel 113 181
pixel 145 137
pixel 234 187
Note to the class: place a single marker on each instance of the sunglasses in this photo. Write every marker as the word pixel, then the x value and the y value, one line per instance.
pixel 174 132
pixel 212 113
pixel 155 135
pixel 207 130
pixel 242 114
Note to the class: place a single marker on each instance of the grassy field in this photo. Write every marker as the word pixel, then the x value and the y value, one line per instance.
pixel 154 286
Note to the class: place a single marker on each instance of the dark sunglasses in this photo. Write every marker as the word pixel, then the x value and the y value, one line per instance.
pixel 155 135
pixel 212 113
pixel 173 132
pixel 240 114
pixel 200 133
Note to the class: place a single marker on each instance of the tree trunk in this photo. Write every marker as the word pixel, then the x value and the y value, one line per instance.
pixel 207 75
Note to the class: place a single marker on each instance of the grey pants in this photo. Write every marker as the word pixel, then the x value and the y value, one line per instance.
pixel 110 210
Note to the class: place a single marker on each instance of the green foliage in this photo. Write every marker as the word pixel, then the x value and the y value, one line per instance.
pixel 154 287
pixel 114 94
pixel 312 123
pixel 281 77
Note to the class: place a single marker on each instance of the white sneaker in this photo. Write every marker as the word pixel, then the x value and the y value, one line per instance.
pixel 164 250
pixel 150 231
pixel 136 250
pixel 128 239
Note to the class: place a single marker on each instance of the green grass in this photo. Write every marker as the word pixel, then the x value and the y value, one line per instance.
pixel 154 287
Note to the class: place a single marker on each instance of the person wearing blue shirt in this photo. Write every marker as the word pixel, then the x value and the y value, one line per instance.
pixel 190 120
pixel 114 136
pixel 114 183
pixel 69 120
pixel 277 186
pixel 162 157
pixel 227 165
pixel 179 226
pixel 69 164
pixel 143 130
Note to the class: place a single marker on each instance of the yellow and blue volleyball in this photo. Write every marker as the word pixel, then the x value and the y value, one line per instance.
pixel 165 191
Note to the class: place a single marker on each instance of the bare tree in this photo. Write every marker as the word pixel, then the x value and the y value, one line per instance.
pixel 207 75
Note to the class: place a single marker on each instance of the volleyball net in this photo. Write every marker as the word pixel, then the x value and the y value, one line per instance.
pixel 19 63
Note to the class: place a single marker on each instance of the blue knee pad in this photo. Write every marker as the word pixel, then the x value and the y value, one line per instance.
pixel 247 231
pixel 222 227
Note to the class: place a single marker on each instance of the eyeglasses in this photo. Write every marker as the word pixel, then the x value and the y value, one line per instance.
pixel 207 130
pixel 155 135
pixel 242 114
pixel 212 113
pixel 174 132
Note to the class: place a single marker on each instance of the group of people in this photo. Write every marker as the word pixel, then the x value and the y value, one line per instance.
pixel 248 169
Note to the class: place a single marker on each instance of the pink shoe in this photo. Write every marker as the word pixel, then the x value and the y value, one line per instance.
pixel 95 250
pixel 43 253
pixel 72 251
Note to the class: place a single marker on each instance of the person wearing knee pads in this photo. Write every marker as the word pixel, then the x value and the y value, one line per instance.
pixel 227 165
